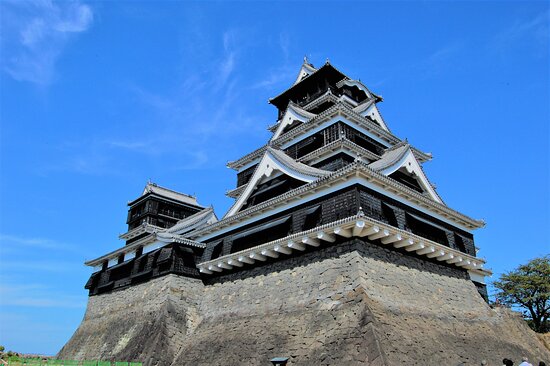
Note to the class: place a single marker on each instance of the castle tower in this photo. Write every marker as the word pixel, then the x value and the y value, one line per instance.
pixel 333 170
pixel 154 246
pixel 337 250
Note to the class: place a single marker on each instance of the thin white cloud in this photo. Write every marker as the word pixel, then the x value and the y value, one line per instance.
pixel 227 63
pixel 40 243
pixel 37 295
pixel 277 77
pixel 151 99
pixel 284 43
pixel 34 35
pixel 180 122
pixel 282 75
pixel 536 28
pixel 143 146
pixel 41 266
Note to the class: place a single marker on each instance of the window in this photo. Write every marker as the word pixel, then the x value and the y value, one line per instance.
pixel 389 215
pixel 312 218
pixel 261 234
pixel 217 250
pixel 426 230
pixel 407 180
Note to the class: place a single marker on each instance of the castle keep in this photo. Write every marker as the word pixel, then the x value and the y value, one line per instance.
pixel 337 250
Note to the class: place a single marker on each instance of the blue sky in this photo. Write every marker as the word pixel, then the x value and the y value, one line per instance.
pixel 97 98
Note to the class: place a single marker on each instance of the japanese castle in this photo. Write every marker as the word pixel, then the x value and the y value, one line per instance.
pixel 332 170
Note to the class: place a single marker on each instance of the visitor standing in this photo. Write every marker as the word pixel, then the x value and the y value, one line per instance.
pixel 525 362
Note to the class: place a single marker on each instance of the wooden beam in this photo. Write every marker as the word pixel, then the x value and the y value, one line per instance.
pixel 403 243
pixel 391 239
pixel 455 260
pixel 380 234
pixel 426 250
pixel 257 256
pixel 464 263
pixel 358 228
pixel 445 257
pixel 281 249
pixel 214 268
pixel 437 253
pixel 346 233
pixel 233 262
pixel 326 237
pixel 416 246
pixel 371 230
pixel 224 265
pixel 295 245
pixel 310 241
pixel 245 260
pixel 270 253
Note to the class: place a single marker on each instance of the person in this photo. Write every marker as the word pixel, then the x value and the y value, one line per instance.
pixel 504 361
pixel 509 362
pixel 541 363
pixel 525 362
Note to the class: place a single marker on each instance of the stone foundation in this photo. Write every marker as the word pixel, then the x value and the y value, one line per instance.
pixel 355 303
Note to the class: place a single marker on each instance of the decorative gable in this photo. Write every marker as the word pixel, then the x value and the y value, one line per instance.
pixel 273 164
pixel 306 70
pixel 293 116
pixel 400 164
pixel 370 110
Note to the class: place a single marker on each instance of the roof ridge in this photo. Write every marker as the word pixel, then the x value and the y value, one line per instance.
pixel 190 220
pixel 290 163
pixel 155 185
pixel 388 159
pixel 326 64
pixel 398 145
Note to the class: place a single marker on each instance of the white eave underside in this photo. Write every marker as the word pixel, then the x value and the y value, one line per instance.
pixel 172 234
pixel 357 169
pixel 165 238
pixel 354 226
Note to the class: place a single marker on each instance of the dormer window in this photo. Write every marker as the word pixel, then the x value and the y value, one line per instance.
pixel 407 179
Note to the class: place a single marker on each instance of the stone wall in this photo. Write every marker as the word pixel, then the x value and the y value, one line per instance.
pixel 148 322
pixel 355 303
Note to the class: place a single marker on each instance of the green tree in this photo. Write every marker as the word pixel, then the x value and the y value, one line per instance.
pixel 528 287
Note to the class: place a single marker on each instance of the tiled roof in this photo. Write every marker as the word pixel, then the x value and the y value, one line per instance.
pixel 317 120
pixel 326 65
pixel 354 168
pixel 390 156
pixel 168 193
pixel 295 165
pixel 341 143
pixel 180 239
pixel 194 221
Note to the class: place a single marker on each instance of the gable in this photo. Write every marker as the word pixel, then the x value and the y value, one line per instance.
pixel 371 111
pixel 275 163
pixel 304 72
pixel 400 164
pixel 293 115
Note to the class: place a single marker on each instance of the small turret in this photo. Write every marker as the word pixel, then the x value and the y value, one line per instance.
pixel 160 207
